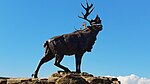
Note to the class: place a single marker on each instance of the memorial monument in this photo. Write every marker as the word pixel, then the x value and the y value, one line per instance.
pixel 75 43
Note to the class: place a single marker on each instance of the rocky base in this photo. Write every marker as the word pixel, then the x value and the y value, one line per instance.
pixel 61 77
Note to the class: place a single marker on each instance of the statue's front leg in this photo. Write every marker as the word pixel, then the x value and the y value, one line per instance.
pixel 78 58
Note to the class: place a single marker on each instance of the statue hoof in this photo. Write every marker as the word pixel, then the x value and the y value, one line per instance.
pixel 67 70
pixel 78 71
pixel 34 76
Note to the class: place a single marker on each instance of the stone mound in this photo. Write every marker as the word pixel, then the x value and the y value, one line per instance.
pixel 61 77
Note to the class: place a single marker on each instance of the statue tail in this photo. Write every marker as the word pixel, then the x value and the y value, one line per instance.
pixel 46 44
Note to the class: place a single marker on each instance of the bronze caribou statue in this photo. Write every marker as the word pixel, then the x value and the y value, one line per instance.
pixel 77 42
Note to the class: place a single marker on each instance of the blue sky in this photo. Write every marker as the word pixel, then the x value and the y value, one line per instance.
pixel 121 49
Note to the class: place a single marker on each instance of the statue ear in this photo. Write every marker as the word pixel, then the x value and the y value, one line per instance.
pixel 97 20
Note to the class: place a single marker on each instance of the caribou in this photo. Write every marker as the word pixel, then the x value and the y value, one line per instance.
pixel 75 43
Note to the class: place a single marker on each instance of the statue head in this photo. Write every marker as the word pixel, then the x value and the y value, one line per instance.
pixel 95 24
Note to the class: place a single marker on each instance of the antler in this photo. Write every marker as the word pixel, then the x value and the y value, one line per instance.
pixel 87 11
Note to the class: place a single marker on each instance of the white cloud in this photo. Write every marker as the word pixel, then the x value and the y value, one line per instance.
pixel 133 79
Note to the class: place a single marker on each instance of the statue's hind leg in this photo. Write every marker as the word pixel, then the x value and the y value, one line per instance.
pixel 57 63
pixel 46 58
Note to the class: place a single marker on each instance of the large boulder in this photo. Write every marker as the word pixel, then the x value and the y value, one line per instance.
pixel 71 79
pixel 61 77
